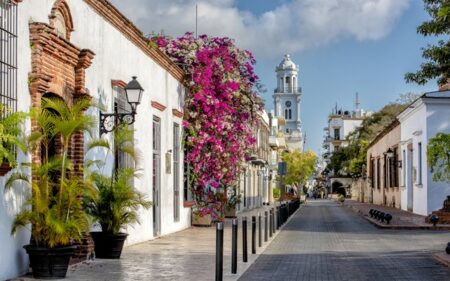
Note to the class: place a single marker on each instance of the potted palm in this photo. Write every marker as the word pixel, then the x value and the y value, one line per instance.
pixel 54 209
pixel 233 199
pixel 10 138
pixel 118 201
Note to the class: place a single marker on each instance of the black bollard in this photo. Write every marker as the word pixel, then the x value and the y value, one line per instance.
pixel 234 234
pixel 278 217
pixel 219 251
pixel 273 220
pixel 244 240
pixel 259 231
pixel 265 226
pixel 270 223
pixel 253 235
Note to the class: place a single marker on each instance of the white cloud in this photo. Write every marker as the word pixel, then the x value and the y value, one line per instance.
pixel 291 27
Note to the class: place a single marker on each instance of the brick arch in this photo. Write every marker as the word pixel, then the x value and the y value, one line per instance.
pixel 57 67
pixel 62 7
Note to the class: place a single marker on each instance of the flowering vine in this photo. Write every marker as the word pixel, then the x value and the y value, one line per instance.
pixel 220 113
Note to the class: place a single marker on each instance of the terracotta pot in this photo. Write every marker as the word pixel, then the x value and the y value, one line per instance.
pixel 5 168
pixel 230 212
pixel 201 221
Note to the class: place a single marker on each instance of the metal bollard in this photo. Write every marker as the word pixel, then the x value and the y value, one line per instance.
pixel 234 234
pixel 265 226
pixel 259 231
pixel 219 251
pixel 270 223
pixel 273 220
pixel 253 235
pixel 244 240
pixel 278 217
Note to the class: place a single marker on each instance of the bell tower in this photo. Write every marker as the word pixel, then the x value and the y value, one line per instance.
pixel 287 98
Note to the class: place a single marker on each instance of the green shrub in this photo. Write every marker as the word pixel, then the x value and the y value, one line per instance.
pixel 276 192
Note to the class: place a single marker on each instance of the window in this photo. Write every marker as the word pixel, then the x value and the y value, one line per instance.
pixel 378 173
pixel 8 55
pixel 372 172
pixel 176 172
pixel 404 168
pixel 187 196
pixel 385 172
pixel 122 159
pixel 395 168
pixel 290 114
pixel 156 180
pixel 337 134
pixel 286 115
pixel 419 152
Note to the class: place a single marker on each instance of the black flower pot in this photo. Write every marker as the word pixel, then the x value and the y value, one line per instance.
pixel 107 245
pixel 49 263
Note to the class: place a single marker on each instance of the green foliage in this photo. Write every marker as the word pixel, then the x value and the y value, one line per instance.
pixel 276 193
pixel 300 166
pixel 117 201
pixel 439 157
pixel 349 160
pixel 54 208
pixel 11 135
pixel 437 64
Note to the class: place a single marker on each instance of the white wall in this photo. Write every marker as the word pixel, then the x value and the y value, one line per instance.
pixel 413 131
pixel 419 124
pixel 438 120
pixel 116 58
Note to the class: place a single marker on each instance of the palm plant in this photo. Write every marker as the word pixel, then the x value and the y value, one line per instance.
pixel 118 201
pixel 54 208
pixel 10 135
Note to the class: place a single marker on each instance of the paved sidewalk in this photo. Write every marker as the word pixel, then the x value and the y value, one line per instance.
pixel 326 241
pixel 186 255
pixel 400 219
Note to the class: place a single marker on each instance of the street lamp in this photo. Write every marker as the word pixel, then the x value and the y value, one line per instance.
pixel 110 121
pixel 390 154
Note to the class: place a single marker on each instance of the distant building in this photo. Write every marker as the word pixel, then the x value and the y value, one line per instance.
pixel 287 98
pixel 340 124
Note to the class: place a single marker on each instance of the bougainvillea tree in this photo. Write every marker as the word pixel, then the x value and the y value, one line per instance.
pixel 221 111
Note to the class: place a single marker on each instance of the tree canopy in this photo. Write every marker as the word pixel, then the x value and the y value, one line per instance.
pixel 439 157
pixel 437 64
pixel 300 166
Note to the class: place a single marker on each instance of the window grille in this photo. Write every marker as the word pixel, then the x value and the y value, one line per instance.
pixel 8 55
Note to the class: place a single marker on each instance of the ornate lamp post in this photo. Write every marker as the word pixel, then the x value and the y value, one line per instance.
pixel 110 121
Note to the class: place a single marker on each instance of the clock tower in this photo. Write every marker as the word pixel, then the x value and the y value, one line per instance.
pixel 287 98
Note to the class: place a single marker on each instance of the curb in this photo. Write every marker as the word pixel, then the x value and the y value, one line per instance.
pixel 442 258
pixel 397 226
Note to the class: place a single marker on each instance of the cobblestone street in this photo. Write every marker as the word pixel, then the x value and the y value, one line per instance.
pixel 325 241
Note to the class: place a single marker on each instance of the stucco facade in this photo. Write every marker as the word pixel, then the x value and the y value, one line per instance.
pixel 422 120
pixel 109 49
pixel 383 172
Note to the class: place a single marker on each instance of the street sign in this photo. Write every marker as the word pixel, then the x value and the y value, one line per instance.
pixel 282 168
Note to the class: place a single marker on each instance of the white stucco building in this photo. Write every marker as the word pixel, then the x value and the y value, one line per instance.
pixel 87 47
pixel 422 120
pixel 287 99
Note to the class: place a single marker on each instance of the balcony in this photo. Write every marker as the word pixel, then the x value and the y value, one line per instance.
pixel 297 90
pixel 273 142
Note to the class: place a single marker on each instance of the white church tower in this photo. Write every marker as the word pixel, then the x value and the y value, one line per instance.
pixel 287 98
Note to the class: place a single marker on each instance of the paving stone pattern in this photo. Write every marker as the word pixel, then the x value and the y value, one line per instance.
pixel 188 255
pixel 326 241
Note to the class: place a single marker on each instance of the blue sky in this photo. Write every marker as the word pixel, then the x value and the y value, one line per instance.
pixel 341 46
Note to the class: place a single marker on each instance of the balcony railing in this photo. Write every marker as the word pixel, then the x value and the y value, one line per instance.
pixel 295 90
